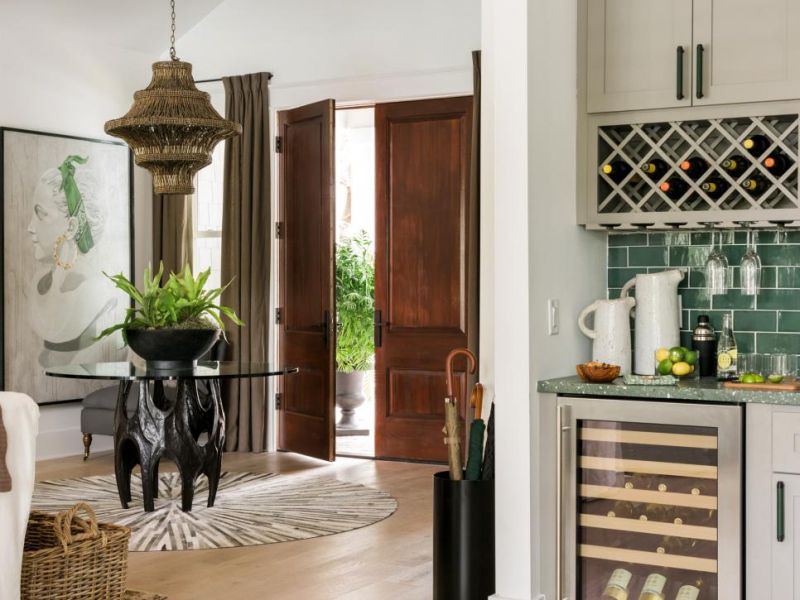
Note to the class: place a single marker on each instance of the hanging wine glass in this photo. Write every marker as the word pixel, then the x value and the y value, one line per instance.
pixel 716 269
pixel 750 267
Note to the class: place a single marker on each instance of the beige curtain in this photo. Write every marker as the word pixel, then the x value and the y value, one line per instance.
pixel 246 255
pixel 172 231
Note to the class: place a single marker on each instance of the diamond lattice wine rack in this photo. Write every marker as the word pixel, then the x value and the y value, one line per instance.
pixel 637 199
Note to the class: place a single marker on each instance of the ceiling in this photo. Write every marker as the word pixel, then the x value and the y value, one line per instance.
pixel 137 25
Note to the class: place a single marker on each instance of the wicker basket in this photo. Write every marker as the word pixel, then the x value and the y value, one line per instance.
pixel 71 558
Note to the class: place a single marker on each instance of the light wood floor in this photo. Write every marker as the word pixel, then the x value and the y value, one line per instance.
pixel 390 560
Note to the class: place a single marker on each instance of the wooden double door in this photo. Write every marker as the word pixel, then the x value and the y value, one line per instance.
pixel 425 277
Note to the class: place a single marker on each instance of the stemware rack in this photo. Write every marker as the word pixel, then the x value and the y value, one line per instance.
pixel 636 201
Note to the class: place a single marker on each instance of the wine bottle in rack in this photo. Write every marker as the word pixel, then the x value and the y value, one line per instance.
pixel 714 187
pixel 735 165
pixel 756 144
pixel 655 168
pixel 617 586
pixel 616 170
pixel 674 187
pixel 756 185
pixel 688 592
pixel 694 167
pixel 777 163
pixel 653 588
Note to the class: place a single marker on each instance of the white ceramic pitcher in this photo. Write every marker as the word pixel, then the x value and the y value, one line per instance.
pixel 658 316
pixel 612 331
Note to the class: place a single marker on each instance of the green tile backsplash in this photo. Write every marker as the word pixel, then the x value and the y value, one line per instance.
pixel 769 322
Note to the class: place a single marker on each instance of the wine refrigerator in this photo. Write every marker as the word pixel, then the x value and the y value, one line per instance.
pixel 649 504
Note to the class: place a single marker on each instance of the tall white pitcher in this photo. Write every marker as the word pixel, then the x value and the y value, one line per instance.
pixel 658 316
pixel 612 331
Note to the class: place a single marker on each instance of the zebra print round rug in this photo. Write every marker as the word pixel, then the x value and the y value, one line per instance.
pixel 250 509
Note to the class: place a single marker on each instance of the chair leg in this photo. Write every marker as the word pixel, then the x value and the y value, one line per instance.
pixel 87 443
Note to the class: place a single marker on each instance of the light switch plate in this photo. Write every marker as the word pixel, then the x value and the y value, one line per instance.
pixel 552 317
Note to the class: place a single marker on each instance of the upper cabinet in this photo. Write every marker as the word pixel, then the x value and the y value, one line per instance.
pixel 751 50
pixel 645 54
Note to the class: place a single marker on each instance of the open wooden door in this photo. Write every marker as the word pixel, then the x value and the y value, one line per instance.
pixel 425 269
pixel 306 279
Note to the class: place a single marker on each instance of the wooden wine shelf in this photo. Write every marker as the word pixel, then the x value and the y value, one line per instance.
pixel 650 438
pixel 695 532
pixel 624 465
pixel 648 496
pixel 655 559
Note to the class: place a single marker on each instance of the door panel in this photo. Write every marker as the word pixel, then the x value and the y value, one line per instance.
pixel 632 53
pixel 306 279
pixel 424 281
pixel 785 551
pixel 752 50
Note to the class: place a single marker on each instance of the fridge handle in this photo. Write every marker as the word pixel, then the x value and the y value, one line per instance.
pixel 562 431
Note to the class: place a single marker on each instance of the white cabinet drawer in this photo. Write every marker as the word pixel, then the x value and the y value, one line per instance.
pixel 786 442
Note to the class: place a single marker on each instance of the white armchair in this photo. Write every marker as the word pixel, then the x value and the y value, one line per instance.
pixel 21 421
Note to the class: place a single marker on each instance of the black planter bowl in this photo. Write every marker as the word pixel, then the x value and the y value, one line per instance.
pixel 171 348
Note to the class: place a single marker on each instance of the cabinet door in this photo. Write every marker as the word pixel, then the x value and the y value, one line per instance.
pixel 633 58
pixel 785 551
pixel 751 50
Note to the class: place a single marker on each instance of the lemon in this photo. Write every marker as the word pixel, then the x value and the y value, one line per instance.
pixel 677 354
pixel 679 369
pixel 662 354
pixel 724 360
pixel 665 367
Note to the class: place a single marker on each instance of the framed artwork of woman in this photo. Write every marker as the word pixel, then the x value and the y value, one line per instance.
pixel 67 218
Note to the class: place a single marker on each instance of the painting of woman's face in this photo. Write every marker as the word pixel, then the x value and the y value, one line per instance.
pixel 48 221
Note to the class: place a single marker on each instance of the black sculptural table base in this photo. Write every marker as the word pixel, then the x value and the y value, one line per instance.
pixel 162 427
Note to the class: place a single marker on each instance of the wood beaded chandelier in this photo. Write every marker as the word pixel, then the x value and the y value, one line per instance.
pixel 172 127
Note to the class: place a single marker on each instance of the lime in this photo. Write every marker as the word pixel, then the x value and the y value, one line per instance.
pixel 758 378
pixel 774 378
pixel 677 354
pixel 661 354
pixel 747 378
pixel 665 367
pixel 679 369
pixel 691 357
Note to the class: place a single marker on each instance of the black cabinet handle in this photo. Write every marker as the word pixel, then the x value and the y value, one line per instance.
pixel 700 53
pixel 781 533
pixel 679 83
pixel 326 318
pixel 378 328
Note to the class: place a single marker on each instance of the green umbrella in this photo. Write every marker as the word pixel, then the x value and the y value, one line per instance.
pixel 476 430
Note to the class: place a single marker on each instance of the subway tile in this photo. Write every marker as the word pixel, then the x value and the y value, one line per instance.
pixel 780 255
pixel 788 321
pixel 693 298
pixel 755 320
pixel 739 237
pixel 778 342
pixel 778 300
pixel 686 339
pixel 627 239
pixel 678 256
pixel 788 277
pixel 618 257
pixel 650 256
pixel 745 342
pixel 714 316
pixel 678 238
pixel 657 239
pixel 619 277
pixel 769 277
pixel 697 278
pixel 734 253
pixel 703 238
pixel 614 293
pixel 733 299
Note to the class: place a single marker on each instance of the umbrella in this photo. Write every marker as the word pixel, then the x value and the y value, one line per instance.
pixel 488 458
pixel 452 436
pixel 475 449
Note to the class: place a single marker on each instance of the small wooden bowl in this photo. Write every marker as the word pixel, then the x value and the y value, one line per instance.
pixel 597 372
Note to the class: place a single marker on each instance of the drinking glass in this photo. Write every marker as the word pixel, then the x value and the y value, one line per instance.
pixel 750 267
pixel 716 269
pixel 779 365
pixel 750 363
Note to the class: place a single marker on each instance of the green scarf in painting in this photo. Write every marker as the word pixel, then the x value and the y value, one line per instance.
pixel 75 206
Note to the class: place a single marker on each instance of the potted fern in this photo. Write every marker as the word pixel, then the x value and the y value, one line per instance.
pixel 355 303
pixel 174 324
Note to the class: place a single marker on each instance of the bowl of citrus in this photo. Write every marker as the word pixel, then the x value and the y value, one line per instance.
pixel 678 361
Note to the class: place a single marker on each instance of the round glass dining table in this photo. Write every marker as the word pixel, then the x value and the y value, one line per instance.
pixel 187 426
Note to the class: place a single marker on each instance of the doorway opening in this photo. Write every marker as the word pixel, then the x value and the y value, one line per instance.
pixel 355 277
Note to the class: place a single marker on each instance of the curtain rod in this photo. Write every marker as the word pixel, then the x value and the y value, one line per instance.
pixel 269 76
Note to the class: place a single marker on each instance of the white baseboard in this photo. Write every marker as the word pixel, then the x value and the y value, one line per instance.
pixel 60 433
pixel 498 597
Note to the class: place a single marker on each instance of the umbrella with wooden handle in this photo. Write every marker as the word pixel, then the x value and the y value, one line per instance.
pixel 451 434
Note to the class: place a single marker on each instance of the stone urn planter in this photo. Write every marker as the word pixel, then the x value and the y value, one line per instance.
pixel 349 396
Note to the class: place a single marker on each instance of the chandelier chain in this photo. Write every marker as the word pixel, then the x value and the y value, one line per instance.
pixel 172 52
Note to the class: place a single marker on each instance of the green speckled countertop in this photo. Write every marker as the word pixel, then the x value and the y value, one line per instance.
pixel 693 390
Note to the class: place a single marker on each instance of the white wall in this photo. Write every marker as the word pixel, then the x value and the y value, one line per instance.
pixel 55 82
pixel 530 61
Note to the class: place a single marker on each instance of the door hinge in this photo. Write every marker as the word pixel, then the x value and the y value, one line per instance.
pixel 278 400
pixel 278 315
pixel 278 230
pixel 278 144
